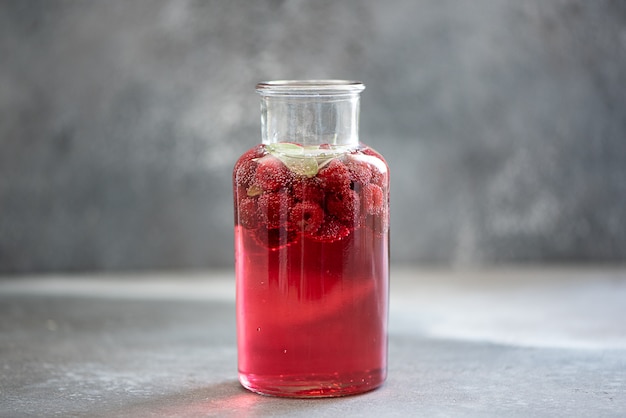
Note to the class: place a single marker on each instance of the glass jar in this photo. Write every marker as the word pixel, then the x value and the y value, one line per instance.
pixel 311 246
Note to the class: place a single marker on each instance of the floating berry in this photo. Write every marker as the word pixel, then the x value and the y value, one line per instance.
pixel 247 212
pixel 372 152
pixel 379 223
pixel 379 178
pixel 273 209
pixel 252 154
pixel 306 217
pixel 245 169
pixel 344 205
pixel 308 190
pixel 360 171
pixel 335 176
pixel 272 175
pixel 373 199
pixel 244 173
pixel 244 176
pixel 331 230
pixel 379 169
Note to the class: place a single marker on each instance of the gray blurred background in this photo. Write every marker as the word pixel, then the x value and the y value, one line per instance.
pixel 503 122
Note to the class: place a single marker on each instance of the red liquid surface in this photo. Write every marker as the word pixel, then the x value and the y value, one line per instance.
pixel 312 277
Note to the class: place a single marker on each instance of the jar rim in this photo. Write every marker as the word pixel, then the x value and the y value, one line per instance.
pixel 309 87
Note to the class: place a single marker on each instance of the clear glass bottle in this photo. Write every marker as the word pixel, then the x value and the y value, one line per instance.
pixel 311 246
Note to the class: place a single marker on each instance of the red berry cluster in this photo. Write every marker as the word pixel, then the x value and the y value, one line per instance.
pixel 280 206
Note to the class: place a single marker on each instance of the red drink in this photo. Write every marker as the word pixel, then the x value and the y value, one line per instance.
pixel 312 259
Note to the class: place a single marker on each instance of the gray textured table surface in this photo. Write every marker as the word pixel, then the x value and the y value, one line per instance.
pixel 521 342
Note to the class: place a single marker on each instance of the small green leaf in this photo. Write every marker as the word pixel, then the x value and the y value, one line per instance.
pixel 295 158
pixel 285 148
pixel 304 160
pixel 304 166
pixel 254 190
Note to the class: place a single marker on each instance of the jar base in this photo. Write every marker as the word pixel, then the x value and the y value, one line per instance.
pixel 314 386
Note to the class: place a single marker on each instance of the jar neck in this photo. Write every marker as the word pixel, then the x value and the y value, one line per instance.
pixel 310 112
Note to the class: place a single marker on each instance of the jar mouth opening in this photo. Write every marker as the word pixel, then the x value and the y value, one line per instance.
pixel 309 87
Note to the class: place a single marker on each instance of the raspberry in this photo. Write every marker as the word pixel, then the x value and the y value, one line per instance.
pixel 306 217
pixel 244 176
pixel 247 213
pixel 244 173
pixel 373 199
pixel 344 205
pixel 272 175
pixel 308 190
pixel 379 178
pixel 379 223
pixel 360 172
pixel 371 152
pixel 335 176
pixel 245 169
pixel 274 209
pixel 331 230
